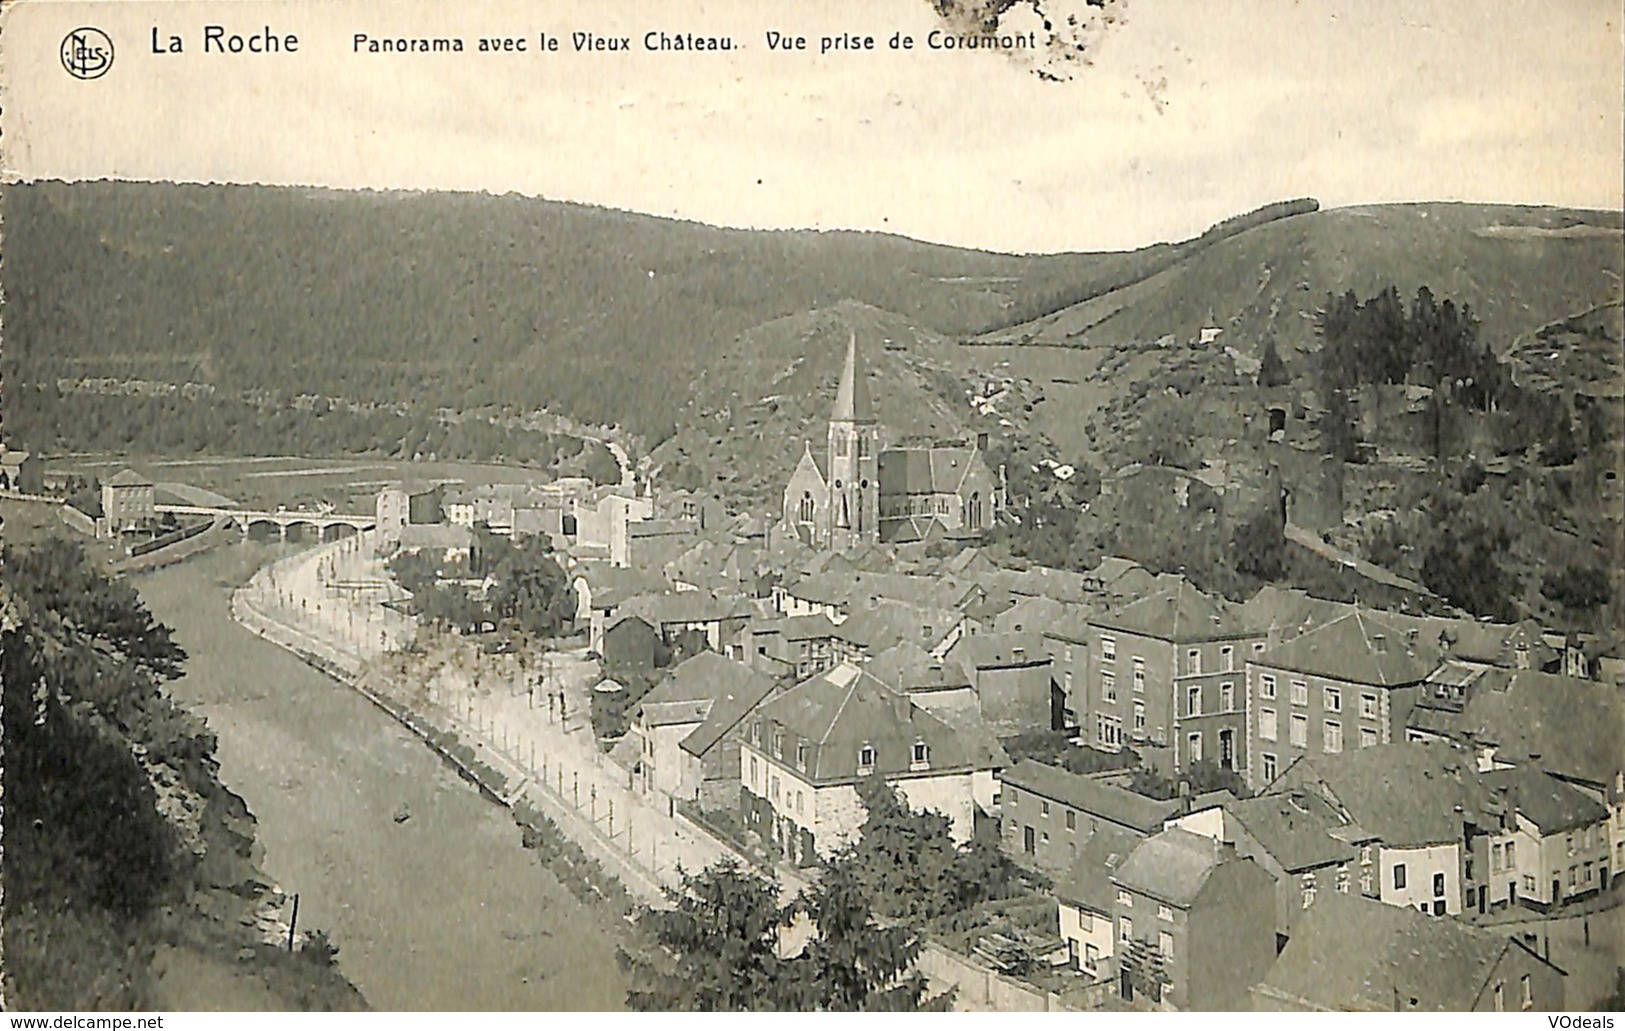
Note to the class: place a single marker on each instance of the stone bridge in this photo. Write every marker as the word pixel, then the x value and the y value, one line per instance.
pixel 327 526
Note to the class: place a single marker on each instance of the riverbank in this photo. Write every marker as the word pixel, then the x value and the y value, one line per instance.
pixel 445 909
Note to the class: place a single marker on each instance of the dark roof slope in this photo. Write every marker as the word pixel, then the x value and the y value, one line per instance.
pixel 1352 953
pixel 1097 798
pixel 845 708
pixel 1359 649
pixel 1576 727
pixel 1408 793
pixel 1295 828
pixel 1545 801
pixel 1171 866
pixel 1181 614
pixel 1089 882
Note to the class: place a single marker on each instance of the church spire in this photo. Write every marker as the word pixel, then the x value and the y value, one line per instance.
pixel 852 403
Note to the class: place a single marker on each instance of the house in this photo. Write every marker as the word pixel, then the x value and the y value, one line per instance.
pixel 800 645
pixel 1195 923
pixel 1306 844
pixel 1353 954
pixel 1560 848
pixel 1085 897
pixel 1425 807
pixel 603 518
pixel 1169 679
pixel 1573 729
pixel 1010 674
pixel 805 752
pixel 601 589
pixel 1068 641
pixel 632 644
pixel 127 501
pixel 1047 812
pixel 447 542
pixel 20 471
pixel 694 615
pixel 1348 684
pixel 704 511
pixel 683 703
pixel 652 543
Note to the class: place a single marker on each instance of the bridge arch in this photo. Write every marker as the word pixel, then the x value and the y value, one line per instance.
pixel 262 529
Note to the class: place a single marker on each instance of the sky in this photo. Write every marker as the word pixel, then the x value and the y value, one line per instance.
pixel 1184 112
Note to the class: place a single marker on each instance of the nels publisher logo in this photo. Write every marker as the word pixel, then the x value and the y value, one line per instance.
pixel 87 53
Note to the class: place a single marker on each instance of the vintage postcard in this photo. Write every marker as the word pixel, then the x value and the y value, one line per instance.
pixel 1095 506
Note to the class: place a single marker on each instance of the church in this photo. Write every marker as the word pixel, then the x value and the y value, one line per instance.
pixel 856 494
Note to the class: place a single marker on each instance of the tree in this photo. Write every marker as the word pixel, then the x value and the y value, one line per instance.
pixel 1578 587
pixel 909 863
pixel 1272 370
pixel 854 963
pixel 716 948
pixel 1260 545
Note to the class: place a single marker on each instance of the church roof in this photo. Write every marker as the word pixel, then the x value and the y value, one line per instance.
pixel 852 401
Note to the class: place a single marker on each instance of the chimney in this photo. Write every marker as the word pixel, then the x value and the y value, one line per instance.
pixel 981 442
pixel 1379 643
pixel 902 707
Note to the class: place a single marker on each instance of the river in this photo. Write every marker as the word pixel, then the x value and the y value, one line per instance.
pixel 444 911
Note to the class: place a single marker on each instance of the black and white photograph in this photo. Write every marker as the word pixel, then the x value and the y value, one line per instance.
pixel 1057 506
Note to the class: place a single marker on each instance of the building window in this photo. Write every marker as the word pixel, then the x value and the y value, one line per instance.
pixel 1258 647
pixel 1067 650
pixel 1333 699
pixel 1300 730
pixel 1165 944
pixel 920 753
pixel 1267 765
pixel 1227 697
pixel 1266 686
pixel 1108 687
pixel 1139 675
pixel 1091 957
pixel 1227 658
pixel 1193 745
pixel 866 759
pixel 1125 899
pixel 775 788
pixel 1108 648
pixel 753 771
pixel 1125 928
pixel 1193 701
pixel 1110 730
pixel 798 802
pixel 1343 881
pixel 1165 913
pixel 778 744
pixel 1368 737
pixel 801 755
pixel 1266 724
pixel 1368 706
pixel 1438 885
pixel 1332 737
pixel 1500 1000
pixel 1365 854
pixel 1512 851
pixel 1066 680
pixel 1300 692
pixel 1071 820
pixel 1526 997
pixel 1399 876
pixel 1043 808
pixel 1193 662
pixel 1139 717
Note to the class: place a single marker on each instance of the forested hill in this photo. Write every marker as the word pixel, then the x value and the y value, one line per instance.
pixel 464 299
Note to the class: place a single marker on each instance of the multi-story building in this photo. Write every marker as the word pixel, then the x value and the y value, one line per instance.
pixel 1560 847
pixel 1306 844
pixel 1047 813
pixel 1352 954
pixel 805 752
pixel 1195 923
pixel 1346 685
pixel 127 501
pixel 1432 820
pixel 1168 676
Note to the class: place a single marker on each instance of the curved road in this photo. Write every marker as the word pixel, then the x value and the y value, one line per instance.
pixel 443 911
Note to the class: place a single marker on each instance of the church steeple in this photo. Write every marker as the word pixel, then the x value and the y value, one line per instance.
pixel 852 402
